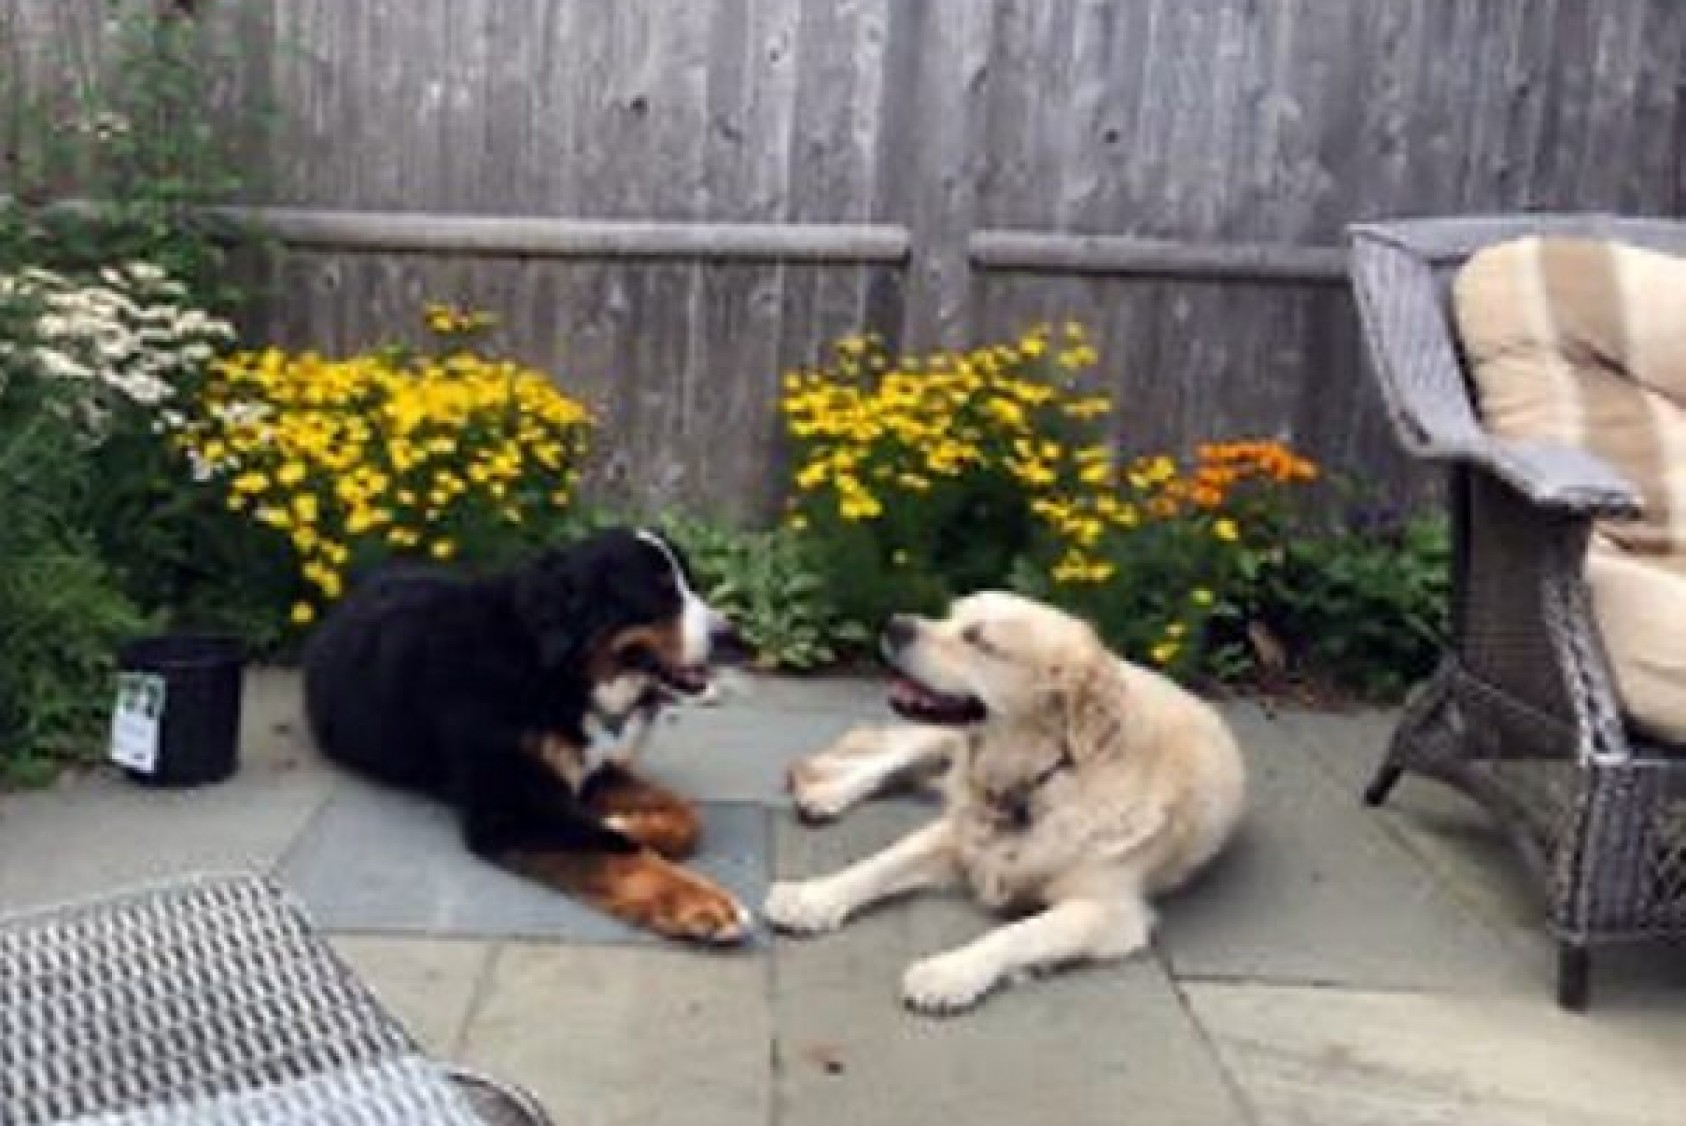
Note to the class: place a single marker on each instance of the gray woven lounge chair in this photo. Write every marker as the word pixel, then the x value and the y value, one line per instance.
pixel 1522 714
pixel 210 1001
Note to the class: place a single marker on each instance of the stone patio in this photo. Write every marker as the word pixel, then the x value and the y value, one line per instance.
pixel 1339 967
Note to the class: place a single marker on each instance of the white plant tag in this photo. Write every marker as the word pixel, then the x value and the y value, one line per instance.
pixel 137 721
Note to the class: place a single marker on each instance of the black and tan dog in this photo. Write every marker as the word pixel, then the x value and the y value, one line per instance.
pixel 496 694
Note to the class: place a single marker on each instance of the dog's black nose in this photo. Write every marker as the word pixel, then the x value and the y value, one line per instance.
pixel 728 646
pixel 898 633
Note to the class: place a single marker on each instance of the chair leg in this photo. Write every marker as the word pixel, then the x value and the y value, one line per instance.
pixel 1381 785
pixel 1574 976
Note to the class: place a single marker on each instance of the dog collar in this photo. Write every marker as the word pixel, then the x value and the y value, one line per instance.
pixel 1012 805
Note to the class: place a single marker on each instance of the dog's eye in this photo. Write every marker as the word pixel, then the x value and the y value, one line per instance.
pixel 973 636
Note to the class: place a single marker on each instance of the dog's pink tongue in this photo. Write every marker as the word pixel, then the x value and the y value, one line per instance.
pixel 691 678
pixel 905 691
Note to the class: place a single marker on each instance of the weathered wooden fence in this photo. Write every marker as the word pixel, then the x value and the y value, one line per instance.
pixel 670 201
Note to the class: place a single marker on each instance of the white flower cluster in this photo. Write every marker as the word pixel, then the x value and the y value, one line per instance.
pixel 123 340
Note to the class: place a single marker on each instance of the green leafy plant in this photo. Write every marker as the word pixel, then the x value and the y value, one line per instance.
pixel 1365 608
pixel 62 613
pixel 918 478
pixel 147 133
pixel 770 588
pixel 390 454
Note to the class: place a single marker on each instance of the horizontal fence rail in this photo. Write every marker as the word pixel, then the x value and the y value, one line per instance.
pixel 1052 252
pixel 543 237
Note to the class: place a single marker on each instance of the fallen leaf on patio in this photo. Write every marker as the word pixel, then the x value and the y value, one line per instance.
pixel 826 1057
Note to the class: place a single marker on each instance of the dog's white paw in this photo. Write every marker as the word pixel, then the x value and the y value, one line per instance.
pixel 807 907
pixel 821 800
pixel 947 983
pixel 822 788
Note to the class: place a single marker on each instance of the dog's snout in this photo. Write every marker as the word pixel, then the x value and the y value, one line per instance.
pixel 898 633
pixel 726 642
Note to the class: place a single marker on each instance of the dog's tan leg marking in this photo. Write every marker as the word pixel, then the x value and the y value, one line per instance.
pixel 924 859
pixel 864 762
pixel 647 813
pixel 643 889
pixel 561 757
pixel 1072 930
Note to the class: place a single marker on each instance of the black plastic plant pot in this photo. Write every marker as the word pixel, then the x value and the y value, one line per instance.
pixel 192 726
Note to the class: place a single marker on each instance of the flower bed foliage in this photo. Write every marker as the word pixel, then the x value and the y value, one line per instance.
pixel 918 478
pixel 390 454
pixel 72 371
pixel 157 479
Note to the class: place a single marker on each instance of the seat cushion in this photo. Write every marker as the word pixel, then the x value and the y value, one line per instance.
pixel 1641 612
pixel 1584 342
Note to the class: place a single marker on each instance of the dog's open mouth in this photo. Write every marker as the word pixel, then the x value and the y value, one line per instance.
pixel 684 680
pixel 915 701
pixel 670 679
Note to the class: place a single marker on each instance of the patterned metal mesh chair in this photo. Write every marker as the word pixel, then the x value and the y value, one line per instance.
pixel 210 1001
pixel 1522 713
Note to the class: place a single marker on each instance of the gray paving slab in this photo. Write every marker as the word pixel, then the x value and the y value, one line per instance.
pixel 376 860
pixel 98 831
pixel 849 695
pixel 738 754
pixel 1102 1044
pixel 624 1036
pixel 1314 890
pixel 428 984
pixel 1470 856
pixel 1330 1057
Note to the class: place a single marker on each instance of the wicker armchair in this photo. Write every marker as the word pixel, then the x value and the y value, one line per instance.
pixel 204 1002
pixel 1522 714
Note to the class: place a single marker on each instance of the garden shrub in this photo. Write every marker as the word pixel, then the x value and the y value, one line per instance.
pixel 62 613
pixel 130 351
pixel 767 583
pixel 1185 564
pixel 917 479
pixel 344 464
pixel 149 133
pixel 1367 605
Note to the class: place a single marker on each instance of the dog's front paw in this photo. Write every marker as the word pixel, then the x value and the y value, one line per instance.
pixel 675 902
pixel 807 907
pixel 947 983
pixel 704 913
pixel 817 793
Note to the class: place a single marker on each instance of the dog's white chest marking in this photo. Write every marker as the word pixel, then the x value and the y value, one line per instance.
pixel 620 745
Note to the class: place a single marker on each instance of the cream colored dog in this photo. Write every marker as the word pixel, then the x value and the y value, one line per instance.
pixel 1078 785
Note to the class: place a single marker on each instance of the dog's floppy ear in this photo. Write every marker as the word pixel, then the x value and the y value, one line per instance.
pixel 555 605
pixel 1089 701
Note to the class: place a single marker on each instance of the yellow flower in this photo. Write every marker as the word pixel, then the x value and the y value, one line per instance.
pixel 1201 596
pixel 303 613
pixel 1225 529
pixel 442 549
pixel 1165 652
